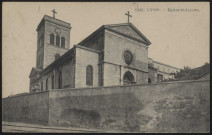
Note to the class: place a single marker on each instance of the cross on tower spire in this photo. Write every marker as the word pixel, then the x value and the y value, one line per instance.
pixel 128 14
pixel 54 12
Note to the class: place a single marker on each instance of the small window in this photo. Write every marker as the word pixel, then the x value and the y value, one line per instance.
pixel 57 56
pixel 89 75
pixel 53 82
pixel 60 80
pixel 52 39
pixel 63 42
pixel 149 80
pixel 57 40
pixel 47 84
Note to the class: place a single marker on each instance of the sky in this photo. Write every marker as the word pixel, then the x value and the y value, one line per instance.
pixel 179 38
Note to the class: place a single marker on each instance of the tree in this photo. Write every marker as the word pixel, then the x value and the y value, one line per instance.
pixel 184 74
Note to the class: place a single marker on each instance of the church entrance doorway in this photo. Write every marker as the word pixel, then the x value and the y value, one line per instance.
pixel 128 78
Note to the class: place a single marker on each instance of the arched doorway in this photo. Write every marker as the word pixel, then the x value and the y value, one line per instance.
pixel 128 78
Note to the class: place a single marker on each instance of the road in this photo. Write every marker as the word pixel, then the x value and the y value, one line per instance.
pixel 10 127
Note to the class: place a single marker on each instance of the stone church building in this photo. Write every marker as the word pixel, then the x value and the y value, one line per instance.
pixel 112 55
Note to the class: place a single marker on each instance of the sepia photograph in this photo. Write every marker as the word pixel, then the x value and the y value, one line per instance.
pixel 106 67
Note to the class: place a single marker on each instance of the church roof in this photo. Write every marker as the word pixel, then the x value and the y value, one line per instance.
pixel 55 21
pixel 34 71
pixel 65 56
pixel 128 29
pixel 125 29
pixel 165 65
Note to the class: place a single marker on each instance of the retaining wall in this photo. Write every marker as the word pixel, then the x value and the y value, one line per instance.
pixel 30 108
pixel 164 107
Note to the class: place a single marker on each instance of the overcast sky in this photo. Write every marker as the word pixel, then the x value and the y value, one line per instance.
pixel 178 38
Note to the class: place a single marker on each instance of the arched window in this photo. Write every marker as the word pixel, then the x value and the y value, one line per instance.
pixel 53 82
pixel 57 40
pixel 128 78
pixel 52 39
pixel 60 80
pixel 57 56
pixel 62 42
pixel 41 86
pixel 89 75
pixel 47 84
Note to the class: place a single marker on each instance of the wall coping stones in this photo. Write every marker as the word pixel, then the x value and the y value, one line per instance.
pixel 103 87
pixel 100 87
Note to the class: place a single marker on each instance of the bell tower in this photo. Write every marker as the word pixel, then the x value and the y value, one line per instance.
pixel 53 40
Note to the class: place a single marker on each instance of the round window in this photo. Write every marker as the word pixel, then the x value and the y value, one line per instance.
pixel 128 57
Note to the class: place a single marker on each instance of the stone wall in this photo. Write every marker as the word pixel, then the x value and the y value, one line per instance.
pixel 51 50
pixel 30 108
pixel 152 75
pixel 40 49
pixel 115 45
pixel 83 59
pixel 68 80
pixel 50 29
pixel 164 107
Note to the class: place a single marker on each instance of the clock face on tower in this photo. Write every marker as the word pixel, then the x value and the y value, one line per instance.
pixel 58 31
pixel 128 57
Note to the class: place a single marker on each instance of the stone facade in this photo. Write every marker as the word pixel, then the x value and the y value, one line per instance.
pixel 114 63
pixel 115 55
pixel 165 70
pixel 45 50
pixel 48 78
pixel 161 71
pixel 112 41
pixel 84 58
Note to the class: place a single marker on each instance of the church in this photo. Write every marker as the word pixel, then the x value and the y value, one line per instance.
pixel 115 54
